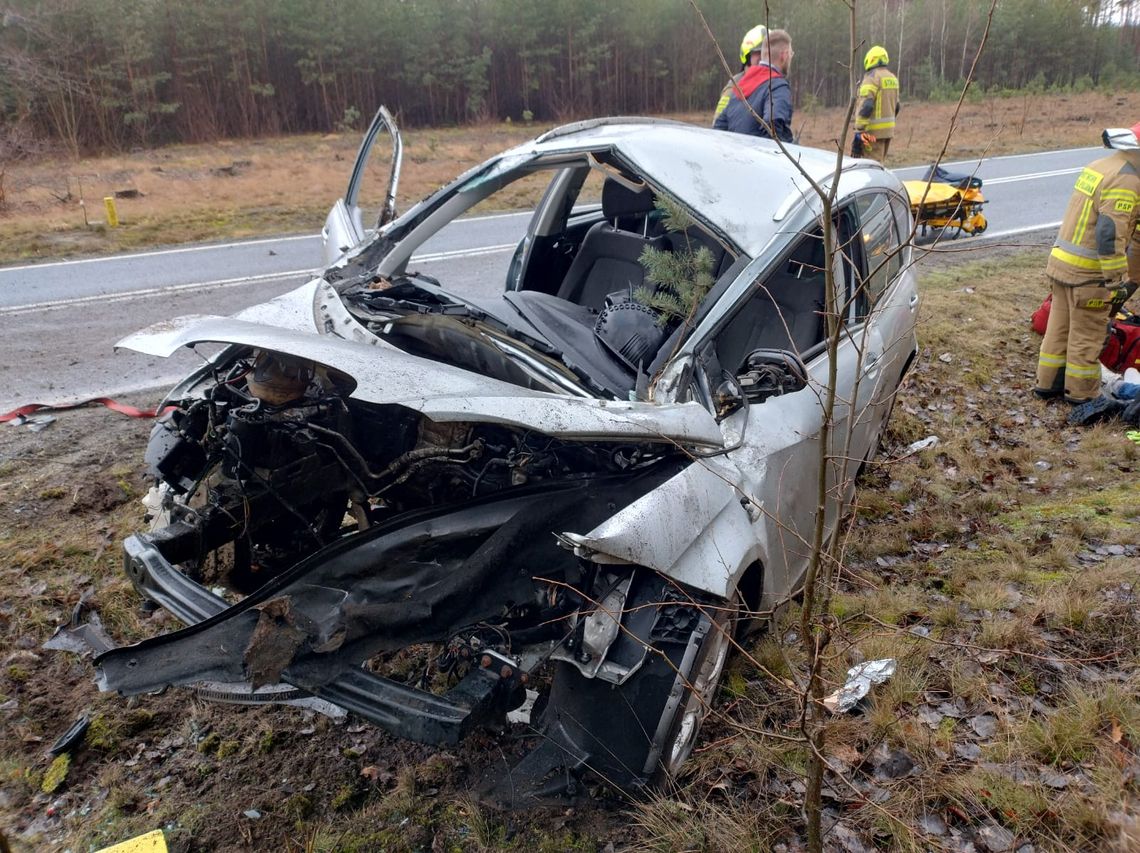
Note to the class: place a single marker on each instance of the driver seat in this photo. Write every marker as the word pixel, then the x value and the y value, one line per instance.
pixel 608 259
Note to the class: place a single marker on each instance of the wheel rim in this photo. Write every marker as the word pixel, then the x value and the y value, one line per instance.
pixel 699 699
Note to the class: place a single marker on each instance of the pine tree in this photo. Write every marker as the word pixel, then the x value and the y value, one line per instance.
pixel 682 277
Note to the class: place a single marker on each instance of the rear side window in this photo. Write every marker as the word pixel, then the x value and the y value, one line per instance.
pixel 880 244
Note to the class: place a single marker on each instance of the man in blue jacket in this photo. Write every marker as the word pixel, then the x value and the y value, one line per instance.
pixel 763 91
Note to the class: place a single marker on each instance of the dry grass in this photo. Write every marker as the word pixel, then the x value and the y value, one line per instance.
pixel 236 189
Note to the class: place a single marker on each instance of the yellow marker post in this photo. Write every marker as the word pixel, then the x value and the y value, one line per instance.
pixel 152 842
pixel 112 214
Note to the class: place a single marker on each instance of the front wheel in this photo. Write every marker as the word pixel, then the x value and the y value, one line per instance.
pixel 641 731
pixel 696 692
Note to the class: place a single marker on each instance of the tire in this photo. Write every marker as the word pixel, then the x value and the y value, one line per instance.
pixel 639 733
pixel 698 690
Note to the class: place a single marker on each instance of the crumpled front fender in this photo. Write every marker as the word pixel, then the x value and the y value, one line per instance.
pixel 694 529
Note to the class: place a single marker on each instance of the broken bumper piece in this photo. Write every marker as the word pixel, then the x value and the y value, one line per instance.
pixel 483 696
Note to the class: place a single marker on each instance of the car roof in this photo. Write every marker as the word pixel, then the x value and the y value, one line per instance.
pixel 742 185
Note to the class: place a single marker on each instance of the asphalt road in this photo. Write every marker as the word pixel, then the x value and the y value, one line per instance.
pixel 59 321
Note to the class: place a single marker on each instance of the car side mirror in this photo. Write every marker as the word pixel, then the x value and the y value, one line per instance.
pixel 771 373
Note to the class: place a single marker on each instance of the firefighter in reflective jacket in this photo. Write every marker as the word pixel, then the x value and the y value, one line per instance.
pixel 1087 267
pixel 752 41
pixel 878 106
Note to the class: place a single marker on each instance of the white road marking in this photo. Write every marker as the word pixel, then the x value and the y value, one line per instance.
pixel 157 252
pixel 1012 179
pixel 212 246
pixel 1031 154
pixel 1012 232
pixel 994 159
pixel 430 257
pixel 462 253
pixel 221 284
pixel 107 298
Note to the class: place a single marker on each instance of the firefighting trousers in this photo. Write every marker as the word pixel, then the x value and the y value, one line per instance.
pixel 1074 338
pixel 879 149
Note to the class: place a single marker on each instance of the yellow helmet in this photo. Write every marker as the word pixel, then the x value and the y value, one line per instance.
pixel 752 41
pixel 877 55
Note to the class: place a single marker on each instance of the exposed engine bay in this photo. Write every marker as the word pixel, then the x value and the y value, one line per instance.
pixel 275 460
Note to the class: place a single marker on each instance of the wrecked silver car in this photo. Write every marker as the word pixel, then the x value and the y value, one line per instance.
pixel 580 486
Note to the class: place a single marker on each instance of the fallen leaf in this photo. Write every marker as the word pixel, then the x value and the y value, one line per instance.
pixel 932 824
pixel 929 715
pixel 968 751
pixel 892 764
pixel 996 839
pixel 984 725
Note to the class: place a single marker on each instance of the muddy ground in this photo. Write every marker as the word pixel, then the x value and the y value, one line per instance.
pixel 999 568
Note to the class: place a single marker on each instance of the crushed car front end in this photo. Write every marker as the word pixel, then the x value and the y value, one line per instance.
pixel 325 501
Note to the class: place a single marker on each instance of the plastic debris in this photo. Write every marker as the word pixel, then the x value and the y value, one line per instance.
pixel 72 738
pixel 81 637
pixel 860 679
pixel 35 423
pixel 150 842
pixel 922 444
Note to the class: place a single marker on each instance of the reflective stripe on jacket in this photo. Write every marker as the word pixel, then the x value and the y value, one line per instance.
pixel 1099 223
pixel 726 95
pixel 879 102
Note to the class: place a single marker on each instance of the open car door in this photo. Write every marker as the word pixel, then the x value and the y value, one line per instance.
pixel 345 225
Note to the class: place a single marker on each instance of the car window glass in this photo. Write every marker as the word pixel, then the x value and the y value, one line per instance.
pixel 880 243
pixel 903 220
pixel 785 310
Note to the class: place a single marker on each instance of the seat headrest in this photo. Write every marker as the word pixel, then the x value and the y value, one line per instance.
pixel 618 200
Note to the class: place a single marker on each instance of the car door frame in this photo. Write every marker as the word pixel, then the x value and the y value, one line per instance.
pixel 344 227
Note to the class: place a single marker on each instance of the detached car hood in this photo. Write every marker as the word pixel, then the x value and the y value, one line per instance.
pixel 442 392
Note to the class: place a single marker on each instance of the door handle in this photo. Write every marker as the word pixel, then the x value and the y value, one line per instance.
pixel 913 300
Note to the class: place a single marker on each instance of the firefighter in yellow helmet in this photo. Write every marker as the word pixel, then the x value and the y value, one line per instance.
pixel 1096 251
pixel 752 41
pixel 878 105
